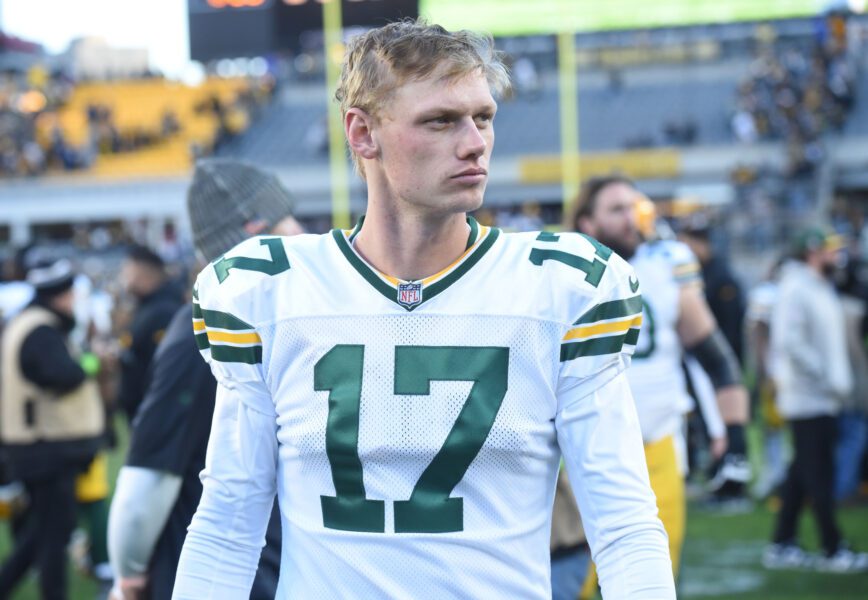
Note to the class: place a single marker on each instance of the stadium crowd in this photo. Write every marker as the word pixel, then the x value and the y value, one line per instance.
pixel 34 139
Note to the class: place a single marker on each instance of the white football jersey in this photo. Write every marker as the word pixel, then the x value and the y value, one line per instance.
pixel 415 422
pixel 656 376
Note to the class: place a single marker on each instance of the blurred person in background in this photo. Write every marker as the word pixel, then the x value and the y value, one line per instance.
pixel 157 299
pixel 89 549
pixel 761 302
pixel 15 292
pixel 723 291
pixel 676 319
pixel 814 376
pixel 158 489
pixel 853 422
pixel 726 300
pixel 51 425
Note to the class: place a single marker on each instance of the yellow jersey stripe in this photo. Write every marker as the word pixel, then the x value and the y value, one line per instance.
pixel 587 331
pixel 235 338
pixel 483 233
pixel 198 325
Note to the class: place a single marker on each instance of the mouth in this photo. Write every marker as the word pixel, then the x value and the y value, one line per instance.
pixel 471 176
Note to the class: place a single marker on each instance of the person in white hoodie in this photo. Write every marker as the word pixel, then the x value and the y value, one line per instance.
pixel 813 375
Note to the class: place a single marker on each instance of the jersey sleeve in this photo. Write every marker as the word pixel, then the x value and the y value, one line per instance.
pixel 228 300
pixel 605 323
pixel 685 267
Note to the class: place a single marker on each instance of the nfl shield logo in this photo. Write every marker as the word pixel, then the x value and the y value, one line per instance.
pixel 409 294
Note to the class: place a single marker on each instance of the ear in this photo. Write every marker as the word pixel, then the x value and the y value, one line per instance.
pixel 358 127
pixel 585 225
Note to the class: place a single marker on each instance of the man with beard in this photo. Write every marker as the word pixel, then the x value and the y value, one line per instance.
pixel 676 318
pixel 813 375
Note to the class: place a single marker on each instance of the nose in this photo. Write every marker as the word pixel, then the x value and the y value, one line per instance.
pixel 473 142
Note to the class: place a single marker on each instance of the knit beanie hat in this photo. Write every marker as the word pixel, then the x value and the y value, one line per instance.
pixel 230 201
pixel 51 277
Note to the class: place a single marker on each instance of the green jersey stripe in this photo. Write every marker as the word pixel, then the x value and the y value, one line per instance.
pixel 197 311
pixel 595 347
pixel 435 288
pixel 357 228
pixel 223 320
pixel 613 309
pixel 632 337
pixel 381 286
pixel 474 233
pixel 251 355
pixel 202 341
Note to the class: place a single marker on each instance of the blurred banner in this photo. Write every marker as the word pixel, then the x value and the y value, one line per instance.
pixel 520 17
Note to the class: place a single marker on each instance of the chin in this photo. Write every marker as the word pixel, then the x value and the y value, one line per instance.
pixel 469 201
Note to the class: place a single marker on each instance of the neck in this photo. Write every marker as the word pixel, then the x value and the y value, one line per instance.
pixel 411 246
pixel 816 266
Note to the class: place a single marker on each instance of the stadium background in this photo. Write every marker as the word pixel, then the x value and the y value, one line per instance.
pixel 686 96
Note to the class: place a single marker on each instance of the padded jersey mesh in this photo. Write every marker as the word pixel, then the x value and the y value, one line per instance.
pixel 507 490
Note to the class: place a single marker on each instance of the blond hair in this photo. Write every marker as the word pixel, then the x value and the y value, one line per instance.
pixel 379 61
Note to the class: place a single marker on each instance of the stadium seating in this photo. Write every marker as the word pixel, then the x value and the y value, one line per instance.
pixel 609 119
pixel 140 106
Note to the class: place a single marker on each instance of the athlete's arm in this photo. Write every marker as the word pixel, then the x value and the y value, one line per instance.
pixel 703 391
pixel 141 505
pixel 227 533
pixel 696 327
pixel 601 444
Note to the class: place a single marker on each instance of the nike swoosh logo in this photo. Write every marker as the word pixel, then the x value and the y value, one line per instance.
pixel 634 283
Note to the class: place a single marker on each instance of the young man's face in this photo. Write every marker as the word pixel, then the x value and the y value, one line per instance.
pixel 613 221
pixel 435 139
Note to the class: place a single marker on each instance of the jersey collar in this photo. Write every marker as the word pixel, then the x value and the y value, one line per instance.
pixel 412 294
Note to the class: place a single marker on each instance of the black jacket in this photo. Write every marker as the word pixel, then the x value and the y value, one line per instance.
pixel 152 316
pixel 45 358
pixel 726 300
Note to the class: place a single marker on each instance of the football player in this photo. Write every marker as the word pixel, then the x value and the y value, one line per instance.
pixel 676 319
pixel 407 388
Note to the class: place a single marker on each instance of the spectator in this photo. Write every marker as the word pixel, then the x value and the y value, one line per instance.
pixel 159 489
pixel 760 307
pixel 51 426
pixel 813 376
pixel 144 276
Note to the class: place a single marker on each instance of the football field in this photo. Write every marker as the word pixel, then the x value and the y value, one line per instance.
pixel 721 558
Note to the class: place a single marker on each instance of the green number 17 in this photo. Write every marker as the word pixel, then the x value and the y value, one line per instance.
pixel 429 508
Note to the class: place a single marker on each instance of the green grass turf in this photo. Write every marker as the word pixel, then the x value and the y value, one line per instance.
pixel 720 560
pixel 722 553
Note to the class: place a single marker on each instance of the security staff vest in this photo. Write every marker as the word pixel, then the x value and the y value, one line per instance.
pixel 30 414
